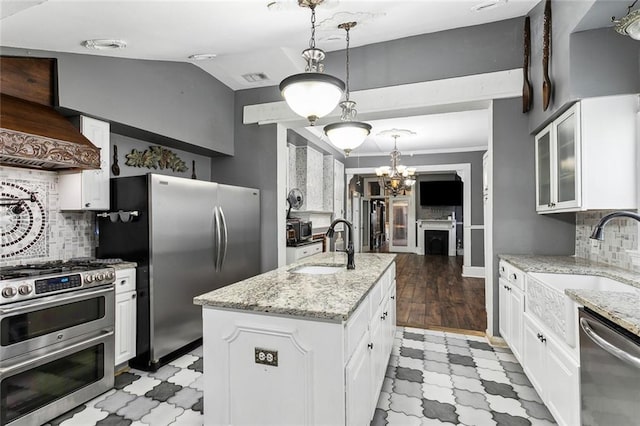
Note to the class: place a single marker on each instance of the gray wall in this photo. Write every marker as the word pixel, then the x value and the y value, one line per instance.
pixel 583 64
pixel 126 144
pixel 463 51
pixel 176 101
pixel 604 62
pixel 517 228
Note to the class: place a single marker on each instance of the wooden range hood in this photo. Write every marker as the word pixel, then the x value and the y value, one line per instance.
pixel 32 133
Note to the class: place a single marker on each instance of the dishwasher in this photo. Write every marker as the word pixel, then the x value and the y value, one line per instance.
pixel 609 372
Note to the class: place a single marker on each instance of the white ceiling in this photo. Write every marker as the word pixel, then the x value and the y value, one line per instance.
pixel 434 134
pixel 249 37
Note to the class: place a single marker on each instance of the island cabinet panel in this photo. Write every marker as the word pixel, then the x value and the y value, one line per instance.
pixel 328 372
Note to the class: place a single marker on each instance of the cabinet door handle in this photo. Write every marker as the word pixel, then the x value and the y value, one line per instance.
pixel 393 297
pixel 370 345
pixel 514 277
pixel 384 316
pixel 133 296
pixel 123 282
pixel 87 205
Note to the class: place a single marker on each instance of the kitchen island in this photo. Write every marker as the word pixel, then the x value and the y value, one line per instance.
pixel 300 345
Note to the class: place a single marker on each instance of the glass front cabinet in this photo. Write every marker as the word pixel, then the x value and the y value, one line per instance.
pixel 558 183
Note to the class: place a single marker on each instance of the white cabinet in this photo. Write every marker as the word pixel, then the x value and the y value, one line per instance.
pixel 586 158
pixel 297 253
pixel 328 373
pixel 552 371
pixel 88 189
pixel 511 307
pixel 125 326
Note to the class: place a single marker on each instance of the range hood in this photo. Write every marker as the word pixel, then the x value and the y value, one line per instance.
pixel 32 133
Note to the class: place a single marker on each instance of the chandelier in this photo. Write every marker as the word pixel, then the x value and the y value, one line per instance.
pixel 347 134
pixel 629 24
pixel 312 94
pixel 397 178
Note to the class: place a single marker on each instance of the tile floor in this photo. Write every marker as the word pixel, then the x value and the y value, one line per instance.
pixel 433 378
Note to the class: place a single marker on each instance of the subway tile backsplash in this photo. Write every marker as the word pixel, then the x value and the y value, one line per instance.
pixel 40 232
pixel 620 235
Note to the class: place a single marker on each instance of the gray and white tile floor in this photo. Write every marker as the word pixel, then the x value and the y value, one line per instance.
pixel 433 378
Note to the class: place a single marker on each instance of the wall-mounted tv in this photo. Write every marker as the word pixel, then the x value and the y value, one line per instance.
pixel 441 193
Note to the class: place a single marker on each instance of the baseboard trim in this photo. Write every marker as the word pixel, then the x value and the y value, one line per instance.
pixel 496 341
pixel 473 271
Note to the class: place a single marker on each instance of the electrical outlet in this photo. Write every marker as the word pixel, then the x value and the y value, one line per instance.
pixel 266 357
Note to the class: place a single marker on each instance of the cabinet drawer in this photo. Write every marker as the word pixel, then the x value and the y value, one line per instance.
pixel 516 277
pixel 125 280
pixel 311 249
pixel 503 269
pixel 357 326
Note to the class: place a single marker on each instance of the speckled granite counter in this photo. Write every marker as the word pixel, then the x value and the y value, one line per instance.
pixel 331 297
pixel 123 265
pixel 621 308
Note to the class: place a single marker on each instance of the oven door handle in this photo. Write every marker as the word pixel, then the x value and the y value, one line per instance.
pixel 57 353
pixel 29 306
pixel 608 346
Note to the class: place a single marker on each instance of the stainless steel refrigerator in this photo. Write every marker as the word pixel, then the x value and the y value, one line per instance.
pixel 190 237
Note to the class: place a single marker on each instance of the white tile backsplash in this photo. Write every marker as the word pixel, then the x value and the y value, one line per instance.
pixel 620 235
pixel 40 233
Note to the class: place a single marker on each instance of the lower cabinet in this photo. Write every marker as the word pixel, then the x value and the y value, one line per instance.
pixel 125 313
pixel 296 253
pixel 511 300
pixel 552 371
pixel 327 373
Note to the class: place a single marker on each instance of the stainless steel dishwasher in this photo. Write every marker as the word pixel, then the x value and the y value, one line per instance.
pixel 609 372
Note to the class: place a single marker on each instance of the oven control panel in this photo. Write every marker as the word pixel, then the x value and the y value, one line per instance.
pixel 28 288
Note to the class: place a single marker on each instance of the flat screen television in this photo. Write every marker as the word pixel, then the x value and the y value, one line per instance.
pixel 441 193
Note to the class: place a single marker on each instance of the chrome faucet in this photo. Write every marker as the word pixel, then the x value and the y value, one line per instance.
pixel 598 231
pixel 351 264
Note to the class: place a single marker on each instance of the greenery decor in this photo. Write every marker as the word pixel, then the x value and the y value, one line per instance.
pixel 156 157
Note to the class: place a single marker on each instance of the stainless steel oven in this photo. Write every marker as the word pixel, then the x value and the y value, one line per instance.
pixel 56 340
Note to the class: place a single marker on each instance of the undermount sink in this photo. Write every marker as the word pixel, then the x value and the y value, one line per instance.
pixel 583 282
pixel 318 269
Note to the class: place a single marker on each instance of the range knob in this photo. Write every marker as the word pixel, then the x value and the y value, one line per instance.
pixel 24 289
pixel 8 292
pixel 88 278
pixel 110 275
pixel 99 276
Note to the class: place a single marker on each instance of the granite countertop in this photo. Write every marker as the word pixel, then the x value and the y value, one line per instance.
pixel 621 308
pixel 331 297
pixel 123 265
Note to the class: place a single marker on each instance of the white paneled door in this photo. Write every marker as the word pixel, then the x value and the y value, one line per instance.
pixel 402 224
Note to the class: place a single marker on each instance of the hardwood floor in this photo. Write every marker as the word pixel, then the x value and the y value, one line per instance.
pixel 433 294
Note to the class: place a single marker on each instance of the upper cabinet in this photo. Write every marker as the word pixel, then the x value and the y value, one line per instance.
pixel 586 158
pixel 89 189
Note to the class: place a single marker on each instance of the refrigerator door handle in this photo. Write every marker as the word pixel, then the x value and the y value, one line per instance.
pixel 215 232
pixel 226 237
pixel 218 240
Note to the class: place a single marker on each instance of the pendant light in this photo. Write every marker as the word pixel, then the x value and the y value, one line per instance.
pixel 347 134
pixel 312 94
pixel 397 178
pixel 630 24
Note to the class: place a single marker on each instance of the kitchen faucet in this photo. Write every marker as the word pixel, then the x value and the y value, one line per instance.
pixel 598 231
pixel 350 262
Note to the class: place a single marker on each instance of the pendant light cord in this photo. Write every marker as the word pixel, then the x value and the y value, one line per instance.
pixel 347 91
pixel 312 41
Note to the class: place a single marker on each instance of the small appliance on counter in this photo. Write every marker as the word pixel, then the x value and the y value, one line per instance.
pixel 298 231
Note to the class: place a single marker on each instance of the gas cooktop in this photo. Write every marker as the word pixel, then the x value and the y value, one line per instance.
pixel 54 267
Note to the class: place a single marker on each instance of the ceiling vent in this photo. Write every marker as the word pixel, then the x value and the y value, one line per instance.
pixel 255 77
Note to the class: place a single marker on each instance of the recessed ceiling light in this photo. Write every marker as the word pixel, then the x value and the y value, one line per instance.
pixel 104 44
pixel 202 56
pixel 486 5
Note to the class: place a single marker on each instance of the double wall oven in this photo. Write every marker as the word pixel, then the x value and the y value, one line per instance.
pixel 56 339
